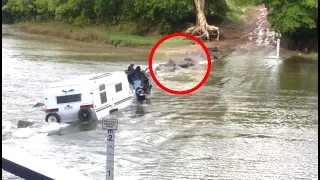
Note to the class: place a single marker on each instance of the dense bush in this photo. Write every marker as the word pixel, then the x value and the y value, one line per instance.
pixel 85 12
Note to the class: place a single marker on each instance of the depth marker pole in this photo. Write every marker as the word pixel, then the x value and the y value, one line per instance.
pixel 278 35
pixel 111 125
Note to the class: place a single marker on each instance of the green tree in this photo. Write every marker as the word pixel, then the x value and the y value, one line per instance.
pixel 21 9
pixel 289 16
pixel 79 12
pixel 297 20
pixel 108 9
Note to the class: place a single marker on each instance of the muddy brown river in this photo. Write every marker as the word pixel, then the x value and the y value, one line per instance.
pixel 254 118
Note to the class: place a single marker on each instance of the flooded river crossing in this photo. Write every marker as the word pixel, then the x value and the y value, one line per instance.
pixel 254 118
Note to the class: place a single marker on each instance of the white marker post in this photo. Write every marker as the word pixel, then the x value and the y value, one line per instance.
pixel 278 35
pixel 111 125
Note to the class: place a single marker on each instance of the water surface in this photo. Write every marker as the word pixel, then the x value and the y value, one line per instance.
pixel 254 118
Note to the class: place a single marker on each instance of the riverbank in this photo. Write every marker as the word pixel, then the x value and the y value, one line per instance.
pixel 122 36
pixel 131 24
pixel 102 36
pixel 304 57
pixel 119 35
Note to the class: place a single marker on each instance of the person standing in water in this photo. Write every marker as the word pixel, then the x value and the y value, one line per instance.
pixel 130 68
pixel 137 73
pixel 130 73
pixel 140 75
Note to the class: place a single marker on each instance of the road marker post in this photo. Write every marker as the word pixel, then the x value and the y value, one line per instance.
pixel 278 35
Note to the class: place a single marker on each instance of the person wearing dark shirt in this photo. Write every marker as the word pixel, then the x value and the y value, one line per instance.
pixel 130 73
pixel 130 68
pixel 137 73
pixel 140 75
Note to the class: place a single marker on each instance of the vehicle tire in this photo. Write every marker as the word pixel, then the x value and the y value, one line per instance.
pixel 53 118
pixel 85 115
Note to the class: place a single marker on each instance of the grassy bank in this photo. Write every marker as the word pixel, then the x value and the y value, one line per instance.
pixel 313 56
pixel 305 57
pixel 118 35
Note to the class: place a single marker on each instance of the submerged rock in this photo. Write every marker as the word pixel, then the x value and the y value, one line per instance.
pixel 38 105
pixel 25 124
pixel 193 59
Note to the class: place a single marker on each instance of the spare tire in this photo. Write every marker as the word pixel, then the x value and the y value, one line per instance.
pixel 85 115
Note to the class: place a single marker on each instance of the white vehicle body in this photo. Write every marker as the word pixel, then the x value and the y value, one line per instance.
pixel 87 98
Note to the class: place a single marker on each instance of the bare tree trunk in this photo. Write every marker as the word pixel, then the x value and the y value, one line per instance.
pixel 201 29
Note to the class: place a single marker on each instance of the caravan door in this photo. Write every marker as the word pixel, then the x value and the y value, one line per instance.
pixel 111 95
pixel 103 100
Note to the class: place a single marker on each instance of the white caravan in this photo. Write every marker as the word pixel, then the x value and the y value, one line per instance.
pixel 87 98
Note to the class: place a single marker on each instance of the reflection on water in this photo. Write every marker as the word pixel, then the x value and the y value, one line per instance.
pixel 307 79
pixel 253 119
pixel 140 111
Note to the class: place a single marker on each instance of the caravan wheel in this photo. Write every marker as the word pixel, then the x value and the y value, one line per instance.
pixel 85 115
pixel 53 118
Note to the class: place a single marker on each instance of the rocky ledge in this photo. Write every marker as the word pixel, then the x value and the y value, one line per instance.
pixel 193 59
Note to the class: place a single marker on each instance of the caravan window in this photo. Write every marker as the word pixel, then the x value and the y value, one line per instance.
pixel 118 87
pixel 102 87
pixel 103 97
pixel 68 98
